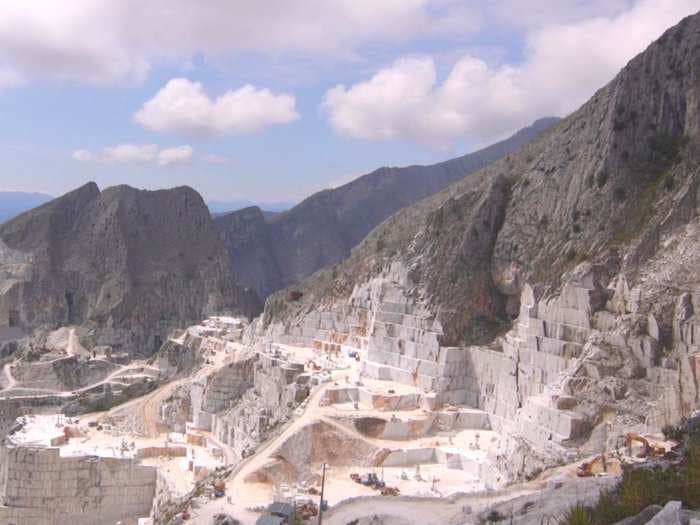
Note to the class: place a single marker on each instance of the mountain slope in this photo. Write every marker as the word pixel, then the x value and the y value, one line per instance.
pixel 556 289
pixel 605 186
pixel 134 262
pixel 12 203
pixel 271 254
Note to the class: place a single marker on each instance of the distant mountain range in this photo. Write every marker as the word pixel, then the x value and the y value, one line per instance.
pixel 222 207
pixel 263 251
pixel 12 203
pixel 138 261
pixel 271 253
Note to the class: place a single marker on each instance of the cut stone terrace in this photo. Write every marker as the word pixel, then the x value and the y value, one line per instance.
pixel 40 487
pixel 402 345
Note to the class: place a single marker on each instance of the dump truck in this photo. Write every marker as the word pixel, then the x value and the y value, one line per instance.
pixel 219 488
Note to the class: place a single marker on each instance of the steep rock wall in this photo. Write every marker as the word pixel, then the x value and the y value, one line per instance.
pixel 133 263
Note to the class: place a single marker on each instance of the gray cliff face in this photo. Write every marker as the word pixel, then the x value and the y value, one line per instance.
pixel 134 262
pixel 609 185
pixel 556 289
pixel 273 253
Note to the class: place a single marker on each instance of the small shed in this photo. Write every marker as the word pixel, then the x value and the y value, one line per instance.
pixel 283 510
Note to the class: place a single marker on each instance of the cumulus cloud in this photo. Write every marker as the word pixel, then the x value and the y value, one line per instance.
pixel 74 40
pixel 137 153
pixel 564 64
pixel 110 41
pixel 182 106
pixel 82 155
pixel 174 156
pixel 130 153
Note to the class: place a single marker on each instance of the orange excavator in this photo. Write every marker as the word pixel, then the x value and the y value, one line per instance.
pixel 649 448
pixel 585 469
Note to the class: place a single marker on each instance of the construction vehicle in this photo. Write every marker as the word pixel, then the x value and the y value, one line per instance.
pixel 390 491
pixel 307 511
pixel 368 480
pixel 585 469
pixel 219 489
pixel 649 448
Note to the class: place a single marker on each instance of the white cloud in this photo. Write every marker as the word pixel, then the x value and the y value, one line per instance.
pixel 76 40
pixel 10 78
pixel 139 154
pixel 82 155
pixel 110 41
pixel 564 64
pixel 130 153
pixel 174 156
pixel 215 159
pixel 182 106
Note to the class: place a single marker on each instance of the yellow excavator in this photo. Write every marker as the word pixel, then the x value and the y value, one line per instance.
pixel 585 469
pixel 649 448
pixel 588 468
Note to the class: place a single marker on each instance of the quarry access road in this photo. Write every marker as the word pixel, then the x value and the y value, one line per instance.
pixel 236 485
pixel 47 392
pixel 146 407
pixel 71 348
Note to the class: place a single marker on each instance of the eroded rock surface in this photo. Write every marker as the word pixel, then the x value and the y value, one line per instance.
pixel 132 263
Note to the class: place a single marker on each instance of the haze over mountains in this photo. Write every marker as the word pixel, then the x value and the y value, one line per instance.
pixel 12 203
pixel 270 254
pixel 510 336
pixel 224 207
pixel 264 251
pixel 611 185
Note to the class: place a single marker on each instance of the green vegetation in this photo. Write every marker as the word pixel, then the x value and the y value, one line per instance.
pixel 665 149
pixel 639 214
pixel 495 516
pixel 641 487
pixel 578 515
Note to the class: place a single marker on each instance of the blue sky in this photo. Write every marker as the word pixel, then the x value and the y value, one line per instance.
pixel 336 91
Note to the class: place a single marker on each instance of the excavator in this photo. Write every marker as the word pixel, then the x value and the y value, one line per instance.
pixel 586 469
pixel 649 448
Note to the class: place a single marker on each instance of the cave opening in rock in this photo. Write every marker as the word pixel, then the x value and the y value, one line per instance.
pixel 70 304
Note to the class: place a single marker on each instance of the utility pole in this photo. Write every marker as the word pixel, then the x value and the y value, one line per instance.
pixel 323 487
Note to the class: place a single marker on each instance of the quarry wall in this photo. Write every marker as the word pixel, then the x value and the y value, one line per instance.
pixel 39 487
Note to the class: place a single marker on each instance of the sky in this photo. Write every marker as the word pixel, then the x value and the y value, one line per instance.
pixel 272 100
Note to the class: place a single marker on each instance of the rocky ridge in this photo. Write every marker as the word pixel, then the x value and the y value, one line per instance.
pixel 270 254
pixel 552 287
pixel 134 264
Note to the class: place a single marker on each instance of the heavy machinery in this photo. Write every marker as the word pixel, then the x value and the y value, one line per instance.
pixel 649 448
pixel 219 488
pixel 390 491
pixel 368 480
pixel 585 469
